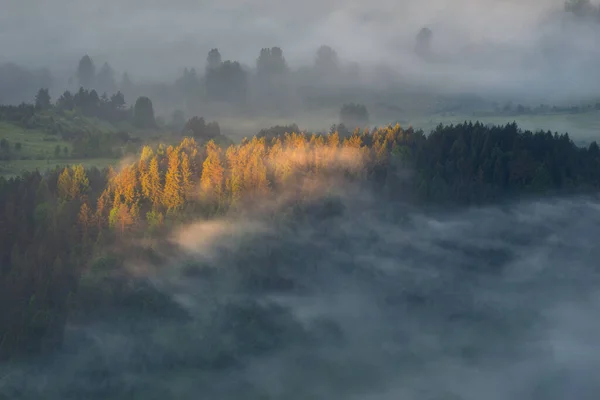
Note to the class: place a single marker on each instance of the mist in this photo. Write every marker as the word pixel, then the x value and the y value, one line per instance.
pixel 352 297
pixel 529 51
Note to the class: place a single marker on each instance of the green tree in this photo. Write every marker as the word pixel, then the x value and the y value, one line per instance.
pixel 86 72
pixel 143 113
pixel 354 116
pixel 42 100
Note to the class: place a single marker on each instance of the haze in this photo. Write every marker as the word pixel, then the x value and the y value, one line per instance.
pixel 491 44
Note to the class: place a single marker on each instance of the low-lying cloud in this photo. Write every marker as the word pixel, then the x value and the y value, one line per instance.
pixel 372 300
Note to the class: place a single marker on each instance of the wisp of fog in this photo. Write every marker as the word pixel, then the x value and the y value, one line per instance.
pixel 354 297
pixel 519 47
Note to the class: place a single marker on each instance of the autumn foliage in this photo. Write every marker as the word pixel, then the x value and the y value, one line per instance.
pixel 166 180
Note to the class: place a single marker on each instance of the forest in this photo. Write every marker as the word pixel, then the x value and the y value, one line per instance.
pixel 400 205
pixel 62 227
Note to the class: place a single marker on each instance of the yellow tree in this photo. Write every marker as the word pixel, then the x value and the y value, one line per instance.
pixel 147 154
pixel 318 155
pixel 280 162
pixel 102 207
pixel 235 179
pixel 64 184
pixel 154 188
pixel 128 183
pixel 257 176
pixel 85 218
pixel 211 181
pixel 121 218
pixel 186 175
pixel 172 197
pixel 79 184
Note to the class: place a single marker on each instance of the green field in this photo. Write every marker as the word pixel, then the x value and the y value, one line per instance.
pixel 34 143
pixel 37 151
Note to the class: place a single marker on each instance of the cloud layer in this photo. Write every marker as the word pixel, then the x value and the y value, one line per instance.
pixel 366 300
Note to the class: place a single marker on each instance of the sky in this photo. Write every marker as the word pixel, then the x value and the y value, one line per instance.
pixel 154 39
pixel 126 30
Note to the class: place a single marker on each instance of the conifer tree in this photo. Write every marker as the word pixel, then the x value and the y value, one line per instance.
pixel 211 181
pixel 172 197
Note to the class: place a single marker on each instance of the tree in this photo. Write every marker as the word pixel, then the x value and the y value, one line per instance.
pixel 198 128
pixel 173 191
pixel 126 85
pixel 42 100
pixel 186 175
pixel 64 185
pixel 143 113
pixel 105 81
pixel 80 183
pixel 86 72
pixel 423 43
pixel 326 60
pixel 213 60
pixel 121 218
pixel 85 218
pixel 65 101
pixel 211 181
pixel 270 63
pixel 581 8
pixel 227 82
pixel 154 189
pixel 177 122
pixel 117 101
pixel 354 116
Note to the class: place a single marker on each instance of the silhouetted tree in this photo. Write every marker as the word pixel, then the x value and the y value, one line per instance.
pixel 270 63
pixel 326 60
pixel 423 43
pixel 198 128
pixel 213 61
pixel 228 82
pixel 354 116
pixel 143 113
pixel 105 81
pixel 177 122
pixel 86 72
pixel 42 100
pixel 65 101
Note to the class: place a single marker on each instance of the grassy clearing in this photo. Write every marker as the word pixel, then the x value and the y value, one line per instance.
pixel 34 143
pixel 17 167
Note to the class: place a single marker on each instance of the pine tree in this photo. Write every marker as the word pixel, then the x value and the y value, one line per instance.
pixel 121 218
pixel 85 218
pixel 172 197
pixel 153 184
pixel 186 175
pixel 235 180
pixel 79 184
pixel 211 181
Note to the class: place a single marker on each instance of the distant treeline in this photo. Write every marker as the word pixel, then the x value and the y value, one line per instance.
pixel 97 126
pixel 51 225
pixel 214 80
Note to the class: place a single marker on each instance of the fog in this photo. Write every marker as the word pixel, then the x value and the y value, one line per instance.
pixel 530 49
pixel 352 297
